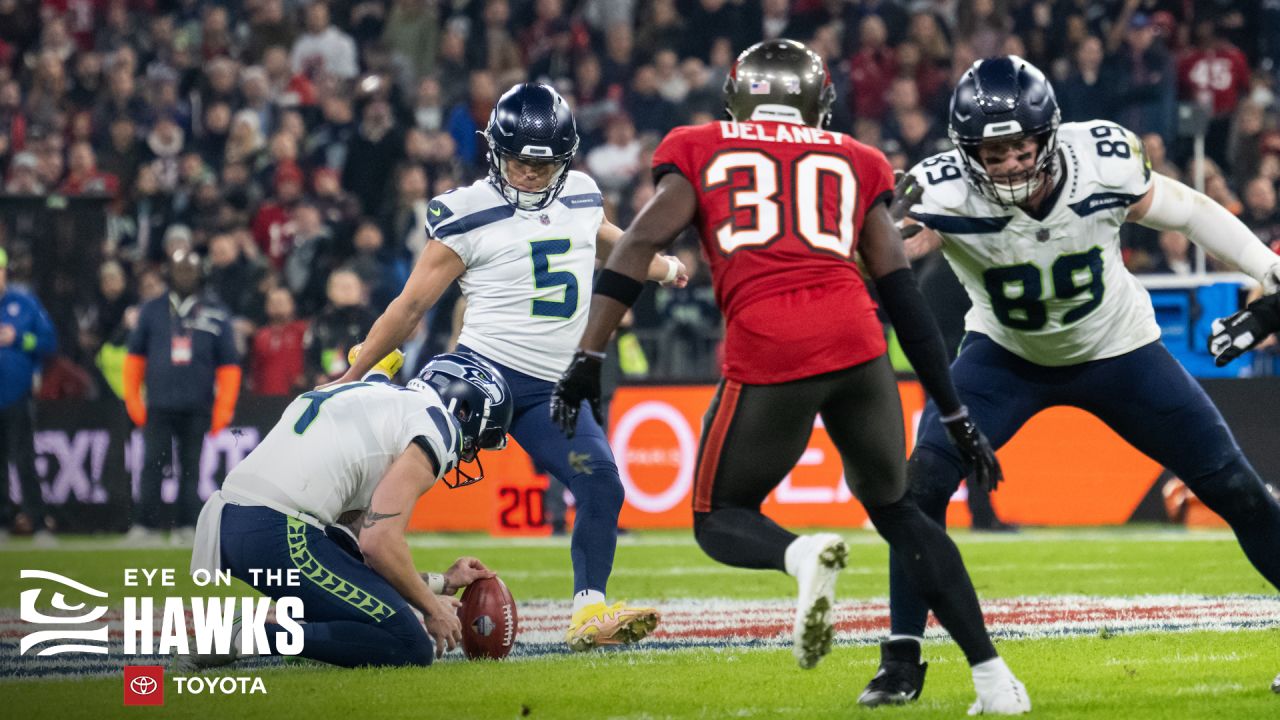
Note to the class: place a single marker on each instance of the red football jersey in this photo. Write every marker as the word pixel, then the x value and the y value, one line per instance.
pixel 780 209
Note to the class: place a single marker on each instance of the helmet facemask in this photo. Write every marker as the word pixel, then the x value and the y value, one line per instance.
pixel 1017 188
pixel 499 161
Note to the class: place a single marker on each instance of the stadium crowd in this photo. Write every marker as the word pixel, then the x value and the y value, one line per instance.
pixel 294 146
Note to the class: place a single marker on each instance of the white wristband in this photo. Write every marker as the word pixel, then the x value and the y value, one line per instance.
pixel 435 581
pixel 673 269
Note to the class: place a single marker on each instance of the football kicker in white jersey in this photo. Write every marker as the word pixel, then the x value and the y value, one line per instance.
pixel 528 272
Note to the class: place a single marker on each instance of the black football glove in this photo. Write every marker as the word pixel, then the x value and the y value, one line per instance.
pixel 976 451
pixel 1235 335
pixel 907 191
pixel 580 382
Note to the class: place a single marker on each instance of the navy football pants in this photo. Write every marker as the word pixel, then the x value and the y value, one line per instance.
pixel 352 616
pixel 584 464
pixel 1144 395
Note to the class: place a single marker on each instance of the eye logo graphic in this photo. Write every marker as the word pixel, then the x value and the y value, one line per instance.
pixel 73 640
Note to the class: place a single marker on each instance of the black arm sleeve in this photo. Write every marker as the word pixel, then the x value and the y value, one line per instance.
pixel 918 334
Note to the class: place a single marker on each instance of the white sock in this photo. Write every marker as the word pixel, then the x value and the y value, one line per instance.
pixel 895 638
pixel 585 598
pixel 795 552
pixel 988 674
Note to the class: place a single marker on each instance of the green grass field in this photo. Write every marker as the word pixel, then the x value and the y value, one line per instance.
pixel 1109 672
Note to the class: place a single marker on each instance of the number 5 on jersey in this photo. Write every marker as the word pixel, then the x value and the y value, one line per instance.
pixel 761 197
pixel 544 278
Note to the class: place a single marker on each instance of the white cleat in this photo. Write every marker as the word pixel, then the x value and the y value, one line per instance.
pixel 820 563
pixel 44 539
pixel 1007 697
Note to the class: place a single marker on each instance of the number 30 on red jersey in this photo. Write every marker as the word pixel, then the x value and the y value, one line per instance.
pixel 764 199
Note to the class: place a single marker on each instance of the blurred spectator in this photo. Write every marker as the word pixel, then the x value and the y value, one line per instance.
pixel 1175 257
pixel 165 143
pixel 268 26
pixel 491 46
pixel 871 70
pixel 102 318
pixel 615 164
pixel 326 145
pixel 23 176
pixel 123 152
pixel 83 176
pixel 593 103
pixel 275 363
pixel 1245 142
pixel 405 221
pixel 1083 96
pixel 428 108
pixel 1154 146
pixel 648 109
pixel 26 339
pixel 273 225
pixel 983 24
pixel 256 96
pixel 338 208
pixel 377 146
pixel 1142 81
pixel 139 229
pixel 471 116
pixel 322 47
pixel 383 271
pixel 184 349
pixel 619 47
pixel 1260 212
pixel 311 258
pixel 233 278
pixel 551 60
pixel 413 33
pixel 344 322
pixel 1214 74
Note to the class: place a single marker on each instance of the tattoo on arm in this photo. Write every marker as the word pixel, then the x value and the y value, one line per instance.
pixel 372 517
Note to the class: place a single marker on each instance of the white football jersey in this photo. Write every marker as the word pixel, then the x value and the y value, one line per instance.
pixel 331 447
pixel 1053 291
pixel 528 276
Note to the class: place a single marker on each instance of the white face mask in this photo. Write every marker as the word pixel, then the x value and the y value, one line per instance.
pixel 529 199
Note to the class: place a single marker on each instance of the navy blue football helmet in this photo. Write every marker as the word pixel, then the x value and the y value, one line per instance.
pixel 476 394
pixel 532 123
pixel 998 100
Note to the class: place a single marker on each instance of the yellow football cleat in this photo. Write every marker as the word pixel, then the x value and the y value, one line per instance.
pixel 598 624
pixel 389 365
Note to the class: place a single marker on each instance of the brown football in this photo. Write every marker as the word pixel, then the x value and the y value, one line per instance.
pixel 489 622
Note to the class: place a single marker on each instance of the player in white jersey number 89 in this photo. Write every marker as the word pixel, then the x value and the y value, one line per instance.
pixel 1027 212
pixel 524 244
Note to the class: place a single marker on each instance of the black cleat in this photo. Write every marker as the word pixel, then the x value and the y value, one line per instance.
pixel 900 678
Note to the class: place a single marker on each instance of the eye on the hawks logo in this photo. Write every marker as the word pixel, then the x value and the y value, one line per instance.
pixel 72 639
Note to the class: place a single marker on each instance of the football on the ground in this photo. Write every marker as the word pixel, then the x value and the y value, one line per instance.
pixel 489 621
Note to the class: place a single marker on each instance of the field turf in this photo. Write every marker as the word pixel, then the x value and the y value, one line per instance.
pixel 1099 667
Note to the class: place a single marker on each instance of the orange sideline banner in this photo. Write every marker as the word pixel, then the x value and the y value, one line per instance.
pixel 1065 467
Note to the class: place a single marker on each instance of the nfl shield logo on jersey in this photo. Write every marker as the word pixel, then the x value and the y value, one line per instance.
pixel 1042 235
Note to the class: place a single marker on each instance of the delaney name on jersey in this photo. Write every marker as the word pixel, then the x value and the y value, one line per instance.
pixel 781 132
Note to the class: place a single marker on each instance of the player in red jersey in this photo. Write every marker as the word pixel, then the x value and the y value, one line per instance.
pixel 782 205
